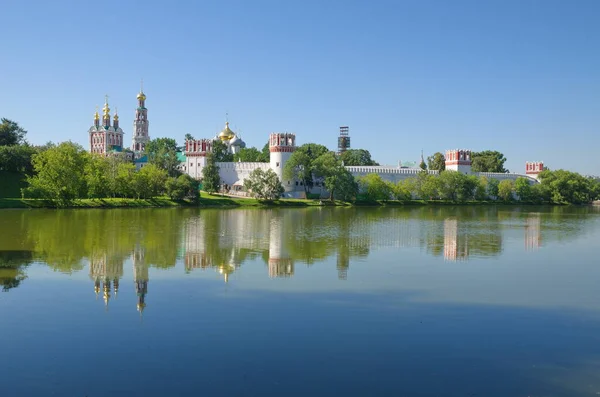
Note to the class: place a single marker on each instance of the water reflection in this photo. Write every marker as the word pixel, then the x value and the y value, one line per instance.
pixel 222 240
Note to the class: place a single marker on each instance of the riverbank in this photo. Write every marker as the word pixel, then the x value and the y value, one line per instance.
pixel 218 201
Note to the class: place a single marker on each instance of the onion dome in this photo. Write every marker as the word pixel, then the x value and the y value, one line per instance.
pixel 141 96
pixel 96 115
pixel 226 134
pixel 116 116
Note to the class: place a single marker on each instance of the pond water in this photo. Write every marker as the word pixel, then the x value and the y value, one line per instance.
pixel 422 301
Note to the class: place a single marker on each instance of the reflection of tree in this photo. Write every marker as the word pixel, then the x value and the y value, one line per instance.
pixel 12 268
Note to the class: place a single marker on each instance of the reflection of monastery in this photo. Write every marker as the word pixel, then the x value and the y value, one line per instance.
pixel 106 138
pixel 222 241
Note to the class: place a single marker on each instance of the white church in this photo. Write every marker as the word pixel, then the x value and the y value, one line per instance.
pixel 105 139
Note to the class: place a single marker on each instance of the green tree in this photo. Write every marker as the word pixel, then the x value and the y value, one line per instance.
pixel 266 154
pixel 481 188
pixel 373 187
pixel 264 185
pixel 437 162
pixel 422 164
pixel 11 133
pixel 162 152
pixel 354 157
pixel 338 181
pixel 565 187
pixel 189 137
pixel 97 176
pixel 149 181
pixel 402 190
pixel 123 184
pixel 58 174
pixel 17 158
pixel 184 186
pixel 523 189
pixel 221 153
pixel 506 189
pixel 249 155
pixel 492 188
pixel 210 174
pixel 300 166
pixel 424 185
pixel 488 161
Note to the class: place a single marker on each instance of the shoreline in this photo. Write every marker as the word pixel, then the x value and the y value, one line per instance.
pixel 217 201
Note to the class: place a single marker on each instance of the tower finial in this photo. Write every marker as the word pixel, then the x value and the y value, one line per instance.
pixel 142 85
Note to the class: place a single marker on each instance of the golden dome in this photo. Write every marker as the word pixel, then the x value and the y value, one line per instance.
pixel 96 115
pixel 226 134
pixel 141 96
pixel 116 116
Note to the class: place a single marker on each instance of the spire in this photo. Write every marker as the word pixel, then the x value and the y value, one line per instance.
pixel 97 118
pixel 106 111
pixel 116 119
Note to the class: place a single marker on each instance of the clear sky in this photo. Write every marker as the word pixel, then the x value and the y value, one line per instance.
pixel 518 76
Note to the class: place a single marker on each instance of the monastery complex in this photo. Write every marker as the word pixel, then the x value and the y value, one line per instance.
pixel 106 138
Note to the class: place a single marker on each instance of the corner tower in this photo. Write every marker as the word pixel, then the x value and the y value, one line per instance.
pixel 281 147
pixel 458 160
pixel 534 168
pixel 140 135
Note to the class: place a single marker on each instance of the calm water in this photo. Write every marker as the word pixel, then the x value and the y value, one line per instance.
pixel 465 301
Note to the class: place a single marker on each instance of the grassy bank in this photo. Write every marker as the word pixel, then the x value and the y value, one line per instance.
pixel 217 201
pixel 206 200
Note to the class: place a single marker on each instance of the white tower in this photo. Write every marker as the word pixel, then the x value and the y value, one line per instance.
pixel 458 160
pixel 281 147
pixel 140 135
pixel 534 168
pixel 280 263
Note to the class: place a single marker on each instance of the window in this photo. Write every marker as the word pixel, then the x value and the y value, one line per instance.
pixel 277 164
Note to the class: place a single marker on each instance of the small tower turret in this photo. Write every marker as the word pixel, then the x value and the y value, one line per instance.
pixel 281 147
pixel 96 118
pixel 533 168
pixel 458 160
pixel 116 120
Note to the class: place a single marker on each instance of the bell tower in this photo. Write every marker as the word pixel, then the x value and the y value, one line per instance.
pixel 281 147
pixel 140 135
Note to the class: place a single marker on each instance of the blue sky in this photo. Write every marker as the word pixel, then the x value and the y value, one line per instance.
pixel 518 76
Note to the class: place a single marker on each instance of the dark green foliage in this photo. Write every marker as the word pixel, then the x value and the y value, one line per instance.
pixel 210 175
pixel 219 150
pixel 300 165
pixel 182 187
pixel 251 155
pixel 357 157
pixel 437 162
pixel 162 152
pixel 488 161
pixel 11 133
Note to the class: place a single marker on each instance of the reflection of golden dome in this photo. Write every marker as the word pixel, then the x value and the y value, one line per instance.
pixel 140 307
pixel 141 96
pixel 226 134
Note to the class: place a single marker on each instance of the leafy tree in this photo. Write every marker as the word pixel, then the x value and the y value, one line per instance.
pixel 346 186
pixel 425 185
pixel 149 181
pixel 423 165
pixel 264 185
pixel 336 178
pixel 456 186
pixel 506 189
pixel 353 157
pixel 437 162
pixel 17 158
pixel 97 176
pixel 523 189
pixel 481 188
pixel 11 133
pixel 184 186
pixel 220 151
pixel 189 137
pixel 492 188
pixel 266 153
pixel 250 155
pixel 58 174
pixel 125 175
pixel 162 152
pixel 373 187
pixel 565 187
pixel 488 161
pixel 300 165
pixel 402 190
pixel 210 174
